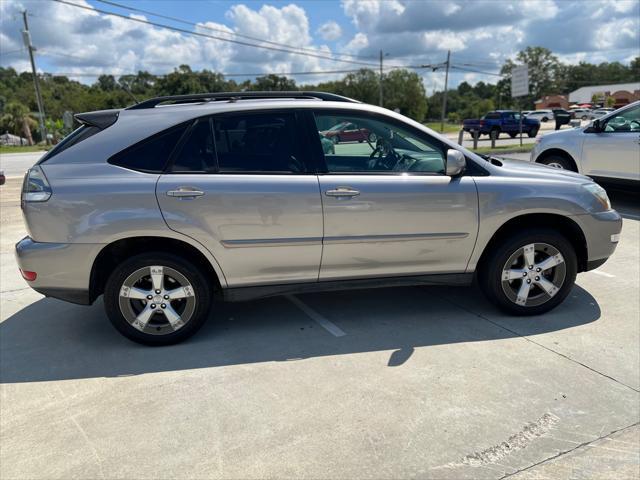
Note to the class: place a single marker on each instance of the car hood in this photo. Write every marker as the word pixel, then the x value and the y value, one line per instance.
pixel 536 170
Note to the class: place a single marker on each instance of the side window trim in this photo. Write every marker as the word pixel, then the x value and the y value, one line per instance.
pixel 323 168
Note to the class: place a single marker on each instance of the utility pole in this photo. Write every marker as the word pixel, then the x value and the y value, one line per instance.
pixel 444 97
pixel 26 36
pixel 380 97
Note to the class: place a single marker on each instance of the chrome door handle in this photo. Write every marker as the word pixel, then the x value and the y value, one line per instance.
pixel 342 192
pixel 185 192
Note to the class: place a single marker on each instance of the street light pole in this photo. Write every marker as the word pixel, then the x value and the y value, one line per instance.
pixel 27 41
pixel 444 97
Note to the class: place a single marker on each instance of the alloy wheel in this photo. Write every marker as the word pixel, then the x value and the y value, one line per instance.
pixel 533 274
pixel 157 300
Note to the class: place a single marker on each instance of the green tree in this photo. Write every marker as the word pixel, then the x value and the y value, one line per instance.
pixel 271 83
pixel 404 90
pixel 545 72
pixel 15 119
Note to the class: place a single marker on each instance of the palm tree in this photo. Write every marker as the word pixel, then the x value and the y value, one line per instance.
pixel 16 119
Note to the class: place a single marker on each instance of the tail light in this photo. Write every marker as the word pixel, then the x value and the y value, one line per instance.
pixel 28 275
pixel 36 187
pixel 481 123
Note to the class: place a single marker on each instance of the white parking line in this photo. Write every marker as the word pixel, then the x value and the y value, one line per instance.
pixel 329 326
pixel 604 274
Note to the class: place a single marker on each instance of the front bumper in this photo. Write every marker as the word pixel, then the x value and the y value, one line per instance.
pixel 63 269
pixel 602 232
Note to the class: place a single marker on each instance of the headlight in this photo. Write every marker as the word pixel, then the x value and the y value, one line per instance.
pixel 600 194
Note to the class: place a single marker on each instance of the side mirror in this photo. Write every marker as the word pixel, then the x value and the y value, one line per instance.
pixel 456 163
pixel 595 127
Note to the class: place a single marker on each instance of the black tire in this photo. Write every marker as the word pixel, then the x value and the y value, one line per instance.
pixel 557 161
pixel 491 270
pixel 533 132
pixel 372 138
pixel 513 134
pixel 199 309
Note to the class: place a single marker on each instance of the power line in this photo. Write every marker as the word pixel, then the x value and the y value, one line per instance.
pixel 220 30
pixel 213 37
pixel 477 71
pixel 12 51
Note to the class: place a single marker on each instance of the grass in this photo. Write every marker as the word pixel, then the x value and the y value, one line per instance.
pixel 448 127
pixel 525 148
pixel 23 148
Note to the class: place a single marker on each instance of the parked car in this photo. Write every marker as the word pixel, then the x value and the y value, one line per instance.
pixel 608 149
pixel 600 112
pixel 348 132
pixel 499 121
pixel 581 113
pixel 165 211
pixel 541 115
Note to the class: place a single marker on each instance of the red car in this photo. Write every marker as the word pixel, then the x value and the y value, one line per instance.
pixel 348 132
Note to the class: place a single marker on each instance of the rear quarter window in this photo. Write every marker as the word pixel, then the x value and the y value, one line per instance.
pixel 492 116
pixel 152 154
pixel 78 135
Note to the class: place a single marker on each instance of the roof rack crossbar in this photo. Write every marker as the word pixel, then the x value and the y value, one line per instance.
pixel 232 96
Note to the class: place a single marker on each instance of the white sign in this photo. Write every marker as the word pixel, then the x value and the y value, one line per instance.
pixel 520 81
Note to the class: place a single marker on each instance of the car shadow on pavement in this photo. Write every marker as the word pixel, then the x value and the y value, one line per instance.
pixel 52 340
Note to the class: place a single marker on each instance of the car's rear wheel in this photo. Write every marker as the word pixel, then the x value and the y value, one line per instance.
pixel 545 119
pixel 529 273
pixel 556 161
pixel 157 298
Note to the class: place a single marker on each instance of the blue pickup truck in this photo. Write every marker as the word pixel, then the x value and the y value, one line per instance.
pixel 502 121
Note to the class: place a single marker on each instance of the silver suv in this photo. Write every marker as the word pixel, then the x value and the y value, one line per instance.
pixel 173 203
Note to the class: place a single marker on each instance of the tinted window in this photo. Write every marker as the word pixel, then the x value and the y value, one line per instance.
pixel 492 116
pixel 257 142
pixel 150 155
pixel 375 145
pixel 197 153
pixel 75 137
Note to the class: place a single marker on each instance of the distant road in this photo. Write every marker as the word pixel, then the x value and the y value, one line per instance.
pixel 15 164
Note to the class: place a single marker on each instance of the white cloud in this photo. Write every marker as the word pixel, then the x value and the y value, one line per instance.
pixel 439 40
pixel 330 31
pixel 357 43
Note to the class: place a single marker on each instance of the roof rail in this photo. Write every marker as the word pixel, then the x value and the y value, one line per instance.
pixel 233 96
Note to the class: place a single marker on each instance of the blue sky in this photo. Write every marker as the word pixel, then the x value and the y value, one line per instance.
pixel 481 34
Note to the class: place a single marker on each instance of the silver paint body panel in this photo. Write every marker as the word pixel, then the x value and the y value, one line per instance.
pixel 279 229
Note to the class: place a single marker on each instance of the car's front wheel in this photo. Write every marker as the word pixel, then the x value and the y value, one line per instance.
pixel 157 298
pixel 557 161
pixel 529 273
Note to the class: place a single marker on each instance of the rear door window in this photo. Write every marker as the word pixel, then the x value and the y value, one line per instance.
pixel 197 154
pixel 258 142
pixel 150 155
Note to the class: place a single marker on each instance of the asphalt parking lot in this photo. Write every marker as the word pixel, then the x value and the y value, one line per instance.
pixel 391 383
